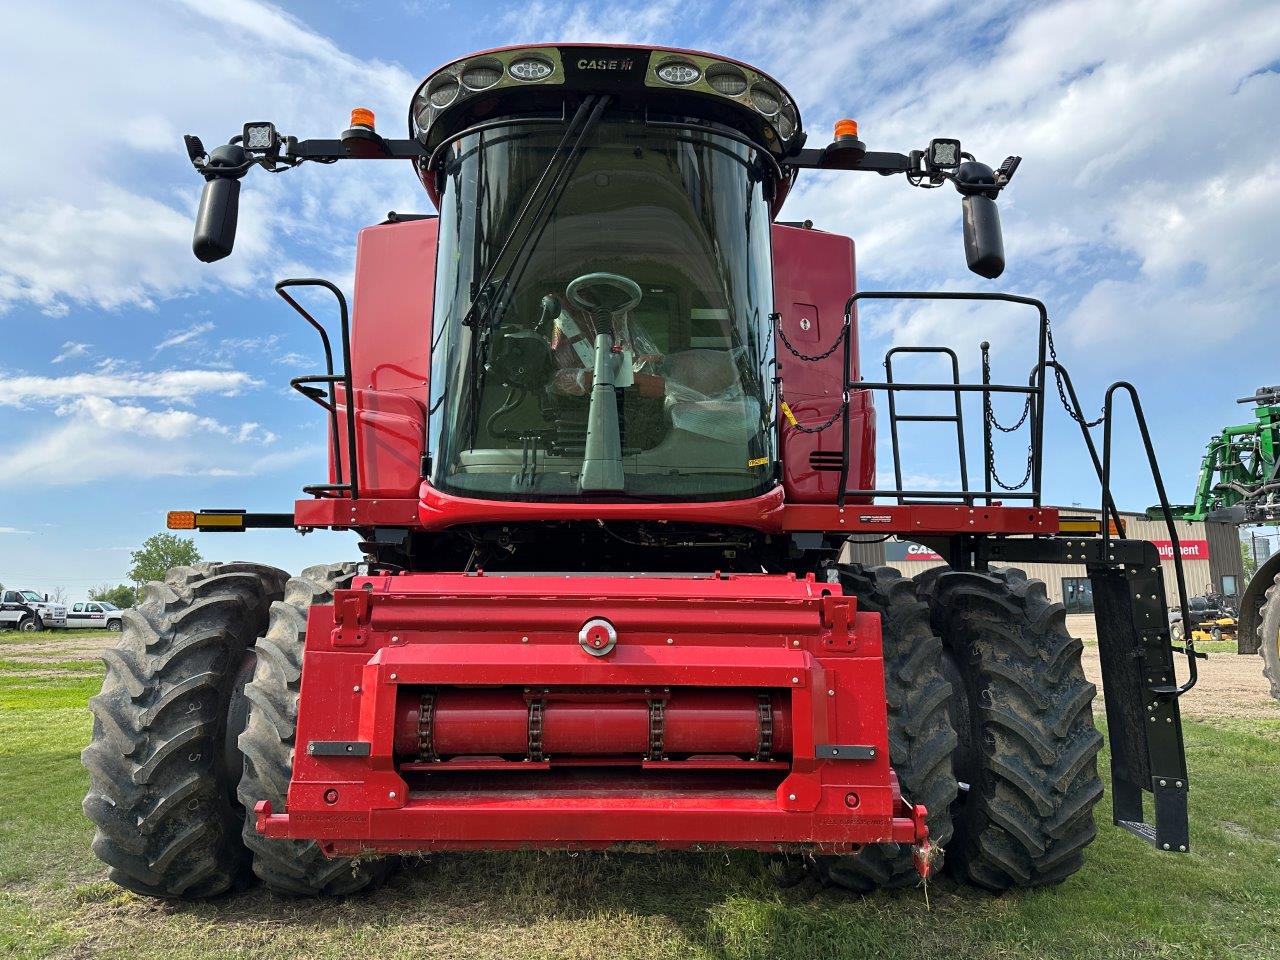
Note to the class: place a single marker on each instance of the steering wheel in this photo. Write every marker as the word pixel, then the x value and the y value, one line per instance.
pixel 607 292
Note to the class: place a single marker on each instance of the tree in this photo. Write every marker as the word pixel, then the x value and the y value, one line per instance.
pixel 122 595
pixel 158 554
pixel 58 595
pixel 1246 559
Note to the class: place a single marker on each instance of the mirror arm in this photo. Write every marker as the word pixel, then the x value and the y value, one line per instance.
pixel 885 164
pixel 326 151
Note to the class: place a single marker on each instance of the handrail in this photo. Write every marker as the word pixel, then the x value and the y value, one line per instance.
pixel 957 418
pixel 1188 643
pixel 332 379
pixel 1035 389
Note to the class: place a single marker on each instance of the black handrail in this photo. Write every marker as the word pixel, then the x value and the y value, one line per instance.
pixel 957 418
pixel 1035 389
pixel 1188 642
pixel 329 377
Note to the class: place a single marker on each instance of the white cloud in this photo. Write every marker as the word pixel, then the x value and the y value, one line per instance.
pixel 97 438
pixel 251 432
pixel 176 338
pixel 582 22
pixel 177 386
pixel 71 350
pixel 12 530
pixel 110 226
pixel 1146 196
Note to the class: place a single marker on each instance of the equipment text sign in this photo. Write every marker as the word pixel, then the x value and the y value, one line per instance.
pixel 1191 549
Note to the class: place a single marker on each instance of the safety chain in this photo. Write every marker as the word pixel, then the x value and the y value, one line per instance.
pixel 989 413
pixel 535 731
pixel 1026 477
pixel 426 728
pixel 782 335
pixel 800 428
pixel 657 728
pixel 1062 393
pixel 764 715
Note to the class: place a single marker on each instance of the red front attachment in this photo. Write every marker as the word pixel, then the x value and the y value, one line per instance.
pixel 449 711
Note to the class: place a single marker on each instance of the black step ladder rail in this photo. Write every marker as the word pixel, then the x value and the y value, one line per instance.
pixel 957 418
pixel 310 387
pixel 1035 389
pixel 1135 649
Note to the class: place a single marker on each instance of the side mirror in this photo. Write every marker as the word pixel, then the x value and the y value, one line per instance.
pixel 215 234
pixel 983 240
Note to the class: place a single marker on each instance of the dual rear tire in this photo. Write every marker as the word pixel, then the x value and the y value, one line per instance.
pixel 194 725
pixel 991 728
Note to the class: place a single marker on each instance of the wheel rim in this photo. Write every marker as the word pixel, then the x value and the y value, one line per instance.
pixel 27 626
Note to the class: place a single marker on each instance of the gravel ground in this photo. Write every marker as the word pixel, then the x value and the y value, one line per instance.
pixel 1230 685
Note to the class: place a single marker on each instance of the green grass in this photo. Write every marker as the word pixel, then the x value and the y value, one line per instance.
pixel 1221 900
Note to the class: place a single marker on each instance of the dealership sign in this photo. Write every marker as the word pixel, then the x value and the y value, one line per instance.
pixel 1190 549
pixel 901 550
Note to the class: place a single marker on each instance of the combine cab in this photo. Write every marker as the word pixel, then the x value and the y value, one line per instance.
pixel 602 429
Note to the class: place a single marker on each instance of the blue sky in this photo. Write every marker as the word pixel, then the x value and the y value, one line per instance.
pixel 134 379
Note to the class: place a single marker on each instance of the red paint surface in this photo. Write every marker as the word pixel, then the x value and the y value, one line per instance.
pixel 458 633
pixel 608 723
pixel 390 354
pixel 813 277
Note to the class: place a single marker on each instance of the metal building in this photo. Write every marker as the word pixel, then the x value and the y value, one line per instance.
pixel 1210 557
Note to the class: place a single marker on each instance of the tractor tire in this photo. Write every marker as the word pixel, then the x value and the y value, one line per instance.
pixel 1269 636
pixel 295 868
pixel 921 738
pixel 162 764
pixel 1028 747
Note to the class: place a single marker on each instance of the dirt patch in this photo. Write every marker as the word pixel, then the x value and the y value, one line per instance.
pixel 1230 685
pixel 55 647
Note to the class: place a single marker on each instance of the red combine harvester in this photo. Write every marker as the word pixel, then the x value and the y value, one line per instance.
pixel 602 429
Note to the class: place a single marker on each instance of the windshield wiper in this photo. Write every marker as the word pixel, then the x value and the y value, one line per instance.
pixel 492 297
pixel 506 287
pixel 584 118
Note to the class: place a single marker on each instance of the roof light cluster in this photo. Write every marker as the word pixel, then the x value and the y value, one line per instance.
pixel 752 96
pixel 721 78
pixel 482 73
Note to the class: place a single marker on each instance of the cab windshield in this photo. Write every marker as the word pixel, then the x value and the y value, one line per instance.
pixel 621 351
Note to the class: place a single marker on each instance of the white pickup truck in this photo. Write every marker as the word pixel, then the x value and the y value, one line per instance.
pixel 27 610
pixel 95 615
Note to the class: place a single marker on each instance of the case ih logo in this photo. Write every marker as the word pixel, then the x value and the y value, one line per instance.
pixel 592 64
pixel 899 550
pixel 1191 549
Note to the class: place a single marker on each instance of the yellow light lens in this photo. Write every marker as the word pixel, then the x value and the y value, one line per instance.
pixel 207 521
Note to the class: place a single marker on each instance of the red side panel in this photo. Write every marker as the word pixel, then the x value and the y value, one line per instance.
pixel 813 278
pixel 391 353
